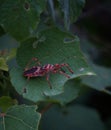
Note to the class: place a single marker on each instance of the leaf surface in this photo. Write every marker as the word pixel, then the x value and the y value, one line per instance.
pixel 57 48
pixel 20 118
pixel 20 18
pixel 6 102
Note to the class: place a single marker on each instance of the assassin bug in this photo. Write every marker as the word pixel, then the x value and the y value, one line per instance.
pixel 45 70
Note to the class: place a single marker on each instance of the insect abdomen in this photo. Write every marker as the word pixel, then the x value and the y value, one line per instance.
pixel 30 71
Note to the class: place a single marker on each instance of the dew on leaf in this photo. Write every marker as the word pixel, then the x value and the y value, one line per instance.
pixel 81 69
pixel 90 73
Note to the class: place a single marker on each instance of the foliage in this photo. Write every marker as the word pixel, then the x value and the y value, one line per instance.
pixel 42 29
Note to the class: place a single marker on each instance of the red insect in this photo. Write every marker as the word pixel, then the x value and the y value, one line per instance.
pixel 39 71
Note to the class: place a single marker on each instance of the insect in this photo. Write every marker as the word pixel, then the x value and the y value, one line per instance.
pixel 45 70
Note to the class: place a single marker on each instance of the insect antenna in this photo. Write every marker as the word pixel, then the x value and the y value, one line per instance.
pixel 67 65
pixel 33 59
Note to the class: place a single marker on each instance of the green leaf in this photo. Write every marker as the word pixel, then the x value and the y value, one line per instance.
pixel 76 7
pixel 20 18
pixel 71 9
pixel 20 118
pixel 76 117
pixel 58 47
pixel 71 92
pixel 101 80
pixel 11 54
pixel 6 102
pixel 5 56
pixel 3 65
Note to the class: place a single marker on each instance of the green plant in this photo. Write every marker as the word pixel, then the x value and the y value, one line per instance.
pixel 41 29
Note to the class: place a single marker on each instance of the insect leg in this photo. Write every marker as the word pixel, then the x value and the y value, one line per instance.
pixel 63 73
pixel 62 70
pixel 47 78
pixel 37 61
pixel 33 59
pixel 24 89
pixel 67 66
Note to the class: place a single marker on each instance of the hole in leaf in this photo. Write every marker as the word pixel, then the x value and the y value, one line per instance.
pixel 27 6
pixel 68 40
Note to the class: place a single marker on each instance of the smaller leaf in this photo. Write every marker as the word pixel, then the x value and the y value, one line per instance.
pixel 76 7
pixel 11 54
pixel 3 65
pixel 101 80
pixel 20 118
pixel 5 56
pixel 103 75
pixel 20 18
pixel 6 102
